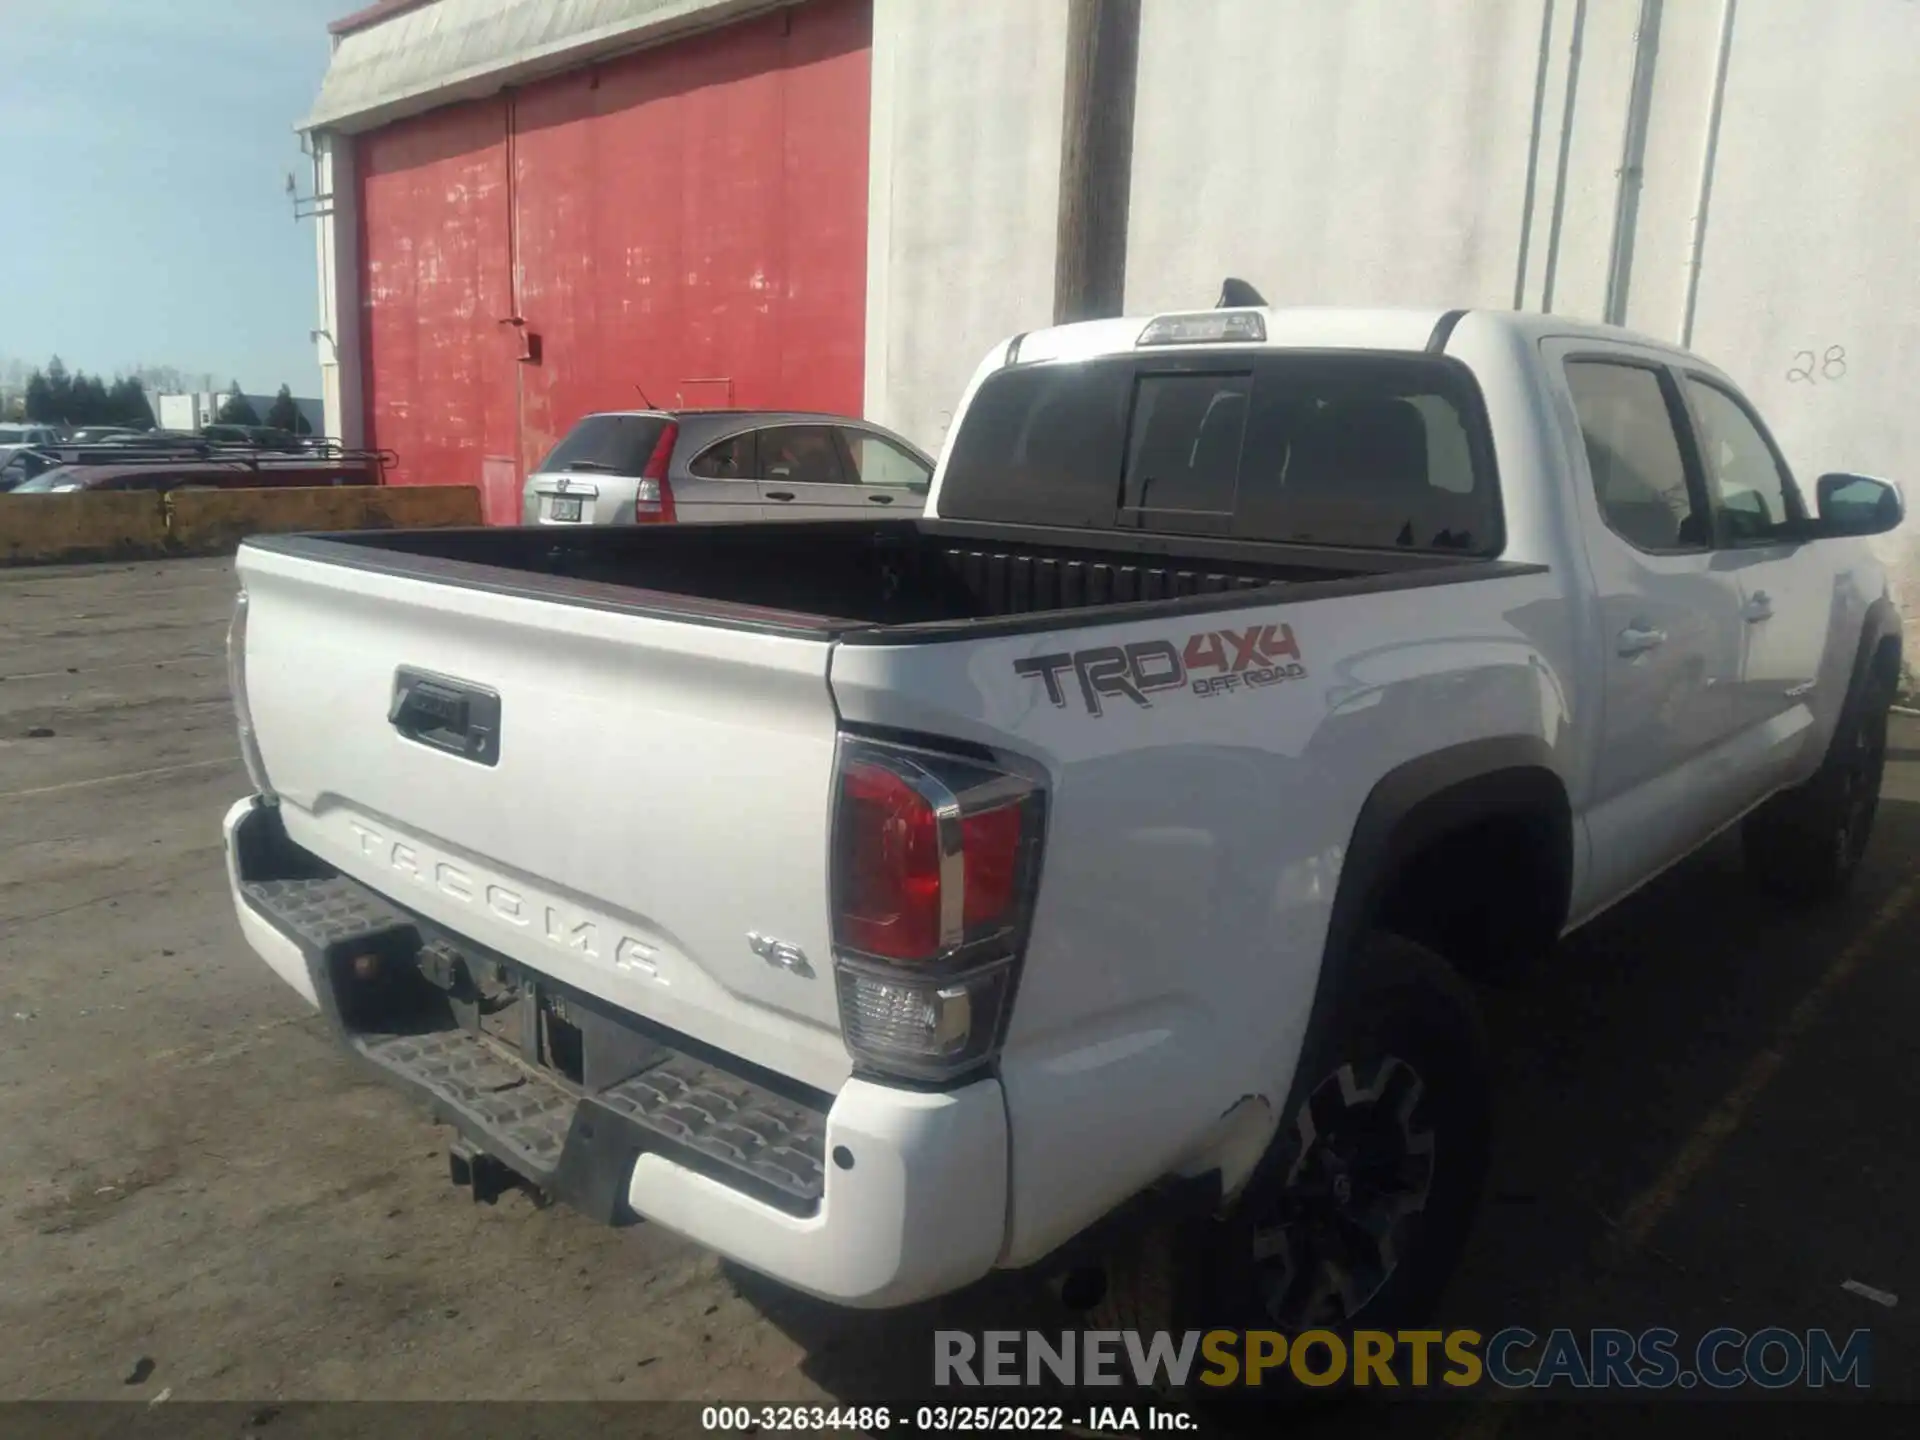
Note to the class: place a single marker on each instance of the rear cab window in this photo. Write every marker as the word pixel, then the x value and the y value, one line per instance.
pixel 607 444
pixel 1363 450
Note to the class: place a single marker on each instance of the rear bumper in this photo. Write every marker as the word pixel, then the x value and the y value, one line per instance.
pixel 874 1196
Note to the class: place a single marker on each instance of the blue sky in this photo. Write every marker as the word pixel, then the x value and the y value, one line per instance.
pixel 144 148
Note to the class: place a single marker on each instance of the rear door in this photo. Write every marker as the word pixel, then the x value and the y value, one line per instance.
pixel 717 482
pixel 888 479
pixel 802 476
pixel 1665 773
pixel 652 792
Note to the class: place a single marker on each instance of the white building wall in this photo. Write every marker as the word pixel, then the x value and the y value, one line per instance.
pixel 177 412
pixel 1812 243
pixel 190 410
pixel 963 195
pixel 1379 151
pixel 1328 153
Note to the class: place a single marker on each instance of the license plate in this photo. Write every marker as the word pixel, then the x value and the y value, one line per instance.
pixel 565 507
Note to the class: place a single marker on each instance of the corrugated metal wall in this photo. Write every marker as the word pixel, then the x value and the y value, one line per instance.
pixel 436 281
pixel 688 222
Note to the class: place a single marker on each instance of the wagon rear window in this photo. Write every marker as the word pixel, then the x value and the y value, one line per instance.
pixel 614 444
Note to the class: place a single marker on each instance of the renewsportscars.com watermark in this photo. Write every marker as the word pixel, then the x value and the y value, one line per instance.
pixel 1773 1358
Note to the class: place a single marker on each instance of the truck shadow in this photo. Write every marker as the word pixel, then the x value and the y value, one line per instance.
pixel 1611 1055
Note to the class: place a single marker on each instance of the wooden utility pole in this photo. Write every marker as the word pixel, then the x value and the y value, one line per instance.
pixel 1096 159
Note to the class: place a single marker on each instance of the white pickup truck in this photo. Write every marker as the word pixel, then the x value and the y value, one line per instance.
pixel 1091 870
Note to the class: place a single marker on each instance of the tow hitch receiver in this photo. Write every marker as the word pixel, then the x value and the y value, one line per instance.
pixel 477 1172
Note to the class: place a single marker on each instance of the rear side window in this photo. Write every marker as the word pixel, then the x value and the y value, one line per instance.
pixel 731 459
pixel 613 444
pixel 1633 452
pixel 1379 451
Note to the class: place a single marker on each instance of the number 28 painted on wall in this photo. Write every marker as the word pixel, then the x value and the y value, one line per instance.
pixel 1810 369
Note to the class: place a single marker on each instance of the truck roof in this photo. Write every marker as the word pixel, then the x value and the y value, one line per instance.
pixel 1325 327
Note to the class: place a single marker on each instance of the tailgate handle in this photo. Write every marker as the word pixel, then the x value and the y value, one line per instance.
pixel 452 715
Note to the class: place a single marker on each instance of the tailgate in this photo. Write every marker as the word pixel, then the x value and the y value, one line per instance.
pixel 652 792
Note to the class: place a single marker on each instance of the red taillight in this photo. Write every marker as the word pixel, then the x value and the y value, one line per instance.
pixel 890 903
pixel 653 496
pixel 936 860
pixel 901 895
pixel 990 842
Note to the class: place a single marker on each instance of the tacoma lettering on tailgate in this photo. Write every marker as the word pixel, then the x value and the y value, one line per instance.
pixel 485 896
pixel 1212 662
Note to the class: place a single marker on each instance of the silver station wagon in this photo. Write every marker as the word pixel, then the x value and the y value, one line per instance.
pixel 654 467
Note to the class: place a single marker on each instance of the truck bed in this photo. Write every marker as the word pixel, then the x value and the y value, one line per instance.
pixel 864 580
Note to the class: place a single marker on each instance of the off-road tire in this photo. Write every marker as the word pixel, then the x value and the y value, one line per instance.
pixel 1393 999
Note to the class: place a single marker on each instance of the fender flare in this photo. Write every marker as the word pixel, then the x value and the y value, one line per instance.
pixel 1422 800
pixel 1880 624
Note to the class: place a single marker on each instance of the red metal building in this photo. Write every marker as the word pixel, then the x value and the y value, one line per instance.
pixel 684 222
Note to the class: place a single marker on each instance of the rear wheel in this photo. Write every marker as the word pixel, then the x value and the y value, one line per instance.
pixel 1805 845
pixel 1361 1207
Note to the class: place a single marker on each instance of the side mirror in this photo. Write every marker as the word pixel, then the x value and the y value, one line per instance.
pixel 1856 505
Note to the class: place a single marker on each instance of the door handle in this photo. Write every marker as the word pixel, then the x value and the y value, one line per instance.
pixel 1759 608
pixel 1638 639
pixel 456 716
pixel 779 494
pixel 879 499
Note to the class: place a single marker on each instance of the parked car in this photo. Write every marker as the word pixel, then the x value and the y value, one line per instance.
pixel 104 435
pixel 162 473
pixel 16 437
pixel 658 466
pixel 22 463
pixel 1088 873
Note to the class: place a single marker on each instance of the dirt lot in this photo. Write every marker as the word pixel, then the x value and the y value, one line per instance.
pixel 1708 1117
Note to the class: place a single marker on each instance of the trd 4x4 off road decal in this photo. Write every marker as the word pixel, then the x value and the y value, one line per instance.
pixel 1213 662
